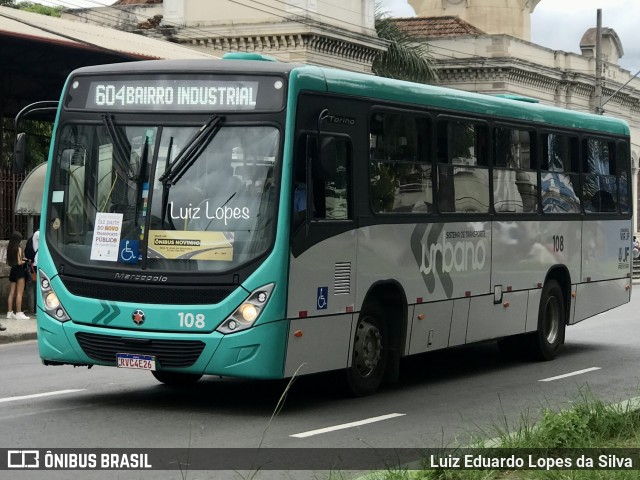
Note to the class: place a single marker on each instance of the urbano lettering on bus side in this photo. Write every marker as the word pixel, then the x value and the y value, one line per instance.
pixel 457 255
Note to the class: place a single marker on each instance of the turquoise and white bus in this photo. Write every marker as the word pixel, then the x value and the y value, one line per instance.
pixel 257 219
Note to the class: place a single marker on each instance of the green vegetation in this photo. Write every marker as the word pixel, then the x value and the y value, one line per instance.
pixel 33 7
pixel 589 424
pixel 404 59
pixel 38 139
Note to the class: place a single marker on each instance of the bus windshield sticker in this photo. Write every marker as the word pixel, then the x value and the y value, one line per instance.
pixel 58 196
pixel 129 251
pixel 189 245
pixel 106 237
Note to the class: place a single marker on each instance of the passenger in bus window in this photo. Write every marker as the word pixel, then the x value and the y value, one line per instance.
pixel 299 203
pixel 300 197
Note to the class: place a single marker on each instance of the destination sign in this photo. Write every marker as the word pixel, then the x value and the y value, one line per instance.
pixel 180 94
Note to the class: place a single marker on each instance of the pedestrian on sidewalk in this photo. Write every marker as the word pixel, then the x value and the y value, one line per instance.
pixel 17 276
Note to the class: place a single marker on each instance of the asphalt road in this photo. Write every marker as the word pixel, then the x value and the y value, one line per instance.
pixel 442 399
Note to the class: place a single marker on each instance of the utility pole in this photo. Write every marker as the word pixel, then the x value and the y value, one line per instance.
pixel 598 89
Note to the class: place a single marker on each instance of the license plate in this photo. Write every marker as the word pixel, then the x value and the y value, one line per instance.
pixel 139 362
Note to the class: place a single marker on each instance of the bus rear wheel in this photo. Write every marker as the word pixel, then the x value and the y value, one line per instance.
pixel 370 351
pixel 546 341
pixel 176 379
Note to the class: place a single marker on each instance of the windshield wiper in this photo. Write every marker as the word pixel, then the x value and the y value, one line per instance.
pixel 165 188
pixel 192 150
pixel 185 159
pixel 121 145
pixel 141 178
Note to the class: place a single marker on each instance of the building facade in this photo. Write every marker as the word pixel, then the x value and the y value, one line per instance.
pixel 477 45
pixel 336 33
pixel 475 53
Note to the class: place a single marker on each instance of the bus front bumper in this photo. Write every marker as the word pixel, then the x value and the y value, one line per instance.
pixel 254 353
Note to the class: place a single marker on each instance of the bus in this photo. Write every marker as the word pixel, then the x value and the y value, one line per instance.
pixel 249 218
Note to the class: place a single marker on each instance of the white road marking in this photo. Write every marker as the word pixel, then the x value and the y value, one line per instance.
pixel 348 425
pixel 39 395
pixel 571 374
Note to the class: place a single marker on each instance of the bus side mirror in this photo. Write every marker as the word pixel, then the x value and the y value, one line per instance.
pixel 19 155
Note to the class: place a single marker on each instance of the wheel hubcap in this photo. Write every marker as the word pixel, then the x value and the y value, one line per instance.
pixel 552 320
pixel 367 348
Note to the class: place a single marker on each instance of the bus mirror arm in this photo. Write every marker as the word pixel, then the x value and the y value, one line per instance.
pixel 44 109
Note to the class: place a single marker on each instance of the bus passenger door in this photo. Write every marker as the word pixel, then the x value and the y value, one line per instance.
pixel 322 260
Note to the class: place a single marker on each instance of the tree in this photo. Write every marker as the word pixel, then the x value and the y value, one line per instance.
pixel 7 3
pixel 405 59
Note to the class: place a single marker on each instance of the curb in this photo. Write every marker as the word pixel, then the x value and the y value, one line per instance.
pixel 17 337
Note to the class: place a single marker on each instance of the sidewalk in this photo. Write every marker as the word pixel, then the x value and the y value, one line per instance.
pixel 18 330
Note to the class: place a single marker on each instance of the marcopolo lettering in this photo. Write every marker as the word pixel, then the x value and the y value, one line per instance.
pixel 129 277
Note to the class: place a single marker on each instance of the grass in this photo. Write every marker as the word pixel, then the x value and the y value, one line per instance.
pixel 589 424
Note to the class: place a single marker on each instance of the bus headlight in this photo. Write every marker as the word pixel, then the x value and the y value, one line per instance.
pixel 249 312
pixel 246 314
pixel 50 299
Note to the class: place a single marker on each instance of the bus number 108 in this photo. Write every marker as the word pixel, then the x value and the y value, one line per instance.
pixel 190 320
pixel 558 243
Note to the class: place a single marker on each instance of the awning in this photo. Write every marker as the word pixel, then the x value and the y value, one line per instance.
pixel 29 199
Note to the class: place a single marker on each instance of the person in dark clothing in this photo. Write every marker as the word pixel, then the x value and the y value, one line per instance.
pixel 17 276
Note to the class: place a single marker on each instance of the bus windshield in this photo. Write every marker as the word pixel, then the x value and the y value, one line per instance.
pixel 163 197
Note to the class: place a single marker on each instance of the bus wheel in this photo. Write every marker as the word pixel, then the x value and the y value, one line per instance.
pixel 369 359
pixel 176 379
pixel 545 342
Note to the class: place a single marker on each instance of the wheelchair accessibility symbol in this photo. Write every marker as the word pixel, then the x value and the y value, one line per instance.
pixel 323 293
pixel 129 250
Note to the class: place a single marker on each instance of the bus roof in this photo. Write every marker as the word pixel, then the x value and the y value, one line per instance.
pixel 452 100
pixel 187 66
pixel 370 86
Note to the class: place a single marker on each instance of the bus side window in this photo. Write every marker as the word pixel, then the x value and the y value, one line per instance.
pixel 399 168
pixel 599 181
pixel 332 180
pixel 623 176
pixel 559 175
pixel 515 182
pixel 463 173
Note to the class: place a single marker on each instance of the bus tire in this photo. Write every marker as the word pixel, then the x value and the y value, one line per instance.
pixel 370 351
pixel 546 341
pixel 176 379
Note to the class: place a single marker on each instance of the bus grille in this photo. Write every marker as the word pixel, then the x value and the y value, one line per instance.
pixel 168 353
pixel 140 293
